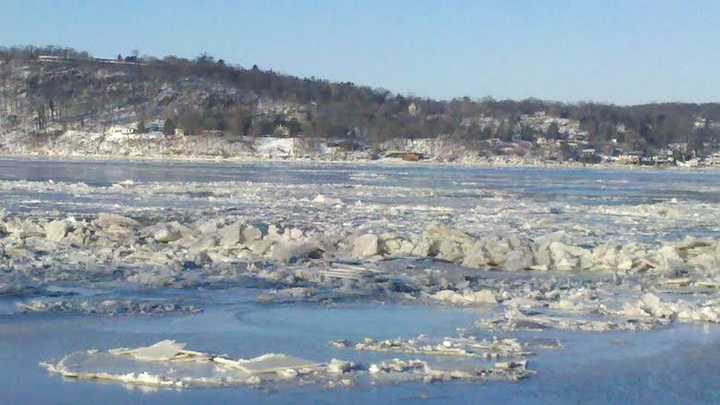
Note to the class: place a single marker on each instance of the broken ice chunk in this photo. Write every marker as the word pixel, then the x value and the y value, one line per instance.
pixel 169 364
pixel 164 350
pixel 269 363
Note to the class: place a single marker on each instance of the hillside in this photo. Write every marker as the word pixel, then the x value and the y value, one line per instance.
pixel 60 101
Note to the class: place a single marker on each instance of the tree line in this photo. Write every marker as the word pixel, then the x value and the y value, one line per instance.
pixel 332 109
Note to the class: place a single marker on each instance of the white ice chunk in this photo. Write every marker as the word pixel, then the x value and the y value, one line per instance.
pixel 161 351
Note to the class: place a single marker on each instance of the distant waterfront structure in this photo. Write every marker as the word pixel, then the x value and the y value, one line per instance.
pixel 55 58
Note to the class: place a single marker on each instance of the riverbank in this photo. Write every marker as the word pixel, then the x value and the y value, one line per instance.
pixel 487 164
pixel 79 146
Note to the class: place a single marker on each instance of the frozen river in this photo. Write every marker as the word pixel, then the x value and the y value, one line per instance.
pixel 219 303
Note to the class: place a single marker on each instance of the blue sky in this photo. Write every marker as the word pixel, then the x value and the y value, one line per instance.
pixel 625 52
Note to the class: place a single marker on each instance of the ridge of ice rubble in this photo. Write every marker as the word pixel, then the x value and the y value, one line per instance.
pixel 169 364
pixel 120 240
pixel 651 306
pixel 647 313
pixel 105 307
pixel 453 347
pixel 383 201
pixel 439 265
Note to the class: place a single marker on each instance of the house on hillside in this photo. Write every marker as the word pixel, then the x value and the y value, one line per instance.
pixel 588 153
pixel 119 133
pixel 630 158
pixel 413 109
pixel 155 126
pixel 120 130
pixel 51 58
pixel 122 133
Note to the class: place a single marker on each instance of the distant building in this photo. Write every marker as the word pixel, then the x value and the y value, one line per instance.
pixel 50 58
pixel 662 159
pixel 412 109
pixel 630 158
pixel 679 147
pixel 155 126
pixel 120 130
pixel 588 153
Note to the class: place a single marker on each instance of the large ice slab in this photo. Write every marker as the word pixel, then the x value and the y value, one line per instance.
pixel 169 364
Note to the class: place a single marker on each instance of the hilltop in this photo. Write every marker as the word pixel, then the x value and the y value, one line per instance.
pixel 58 101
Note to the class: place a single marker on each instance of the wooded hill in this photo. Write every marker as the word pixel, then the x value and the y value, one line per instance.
pixel 50 89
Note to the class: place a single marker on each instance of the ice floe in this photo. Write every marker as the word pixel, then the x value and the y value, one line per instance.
pixel 169 364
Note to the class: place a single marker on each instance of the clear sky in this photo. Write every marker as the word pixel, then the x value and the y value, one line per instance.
pixel 620 51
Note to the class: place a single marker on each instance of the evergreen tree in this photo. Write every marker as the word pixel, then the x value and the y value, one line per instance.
pixel 141 129
pixel 169 127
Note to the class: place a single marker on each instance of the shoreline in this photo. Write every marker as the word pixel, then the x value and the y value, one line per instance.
pixel 369 162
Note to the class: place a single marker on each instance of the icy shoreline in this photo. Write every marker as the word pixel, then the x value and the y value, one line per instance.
pixel 498 163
